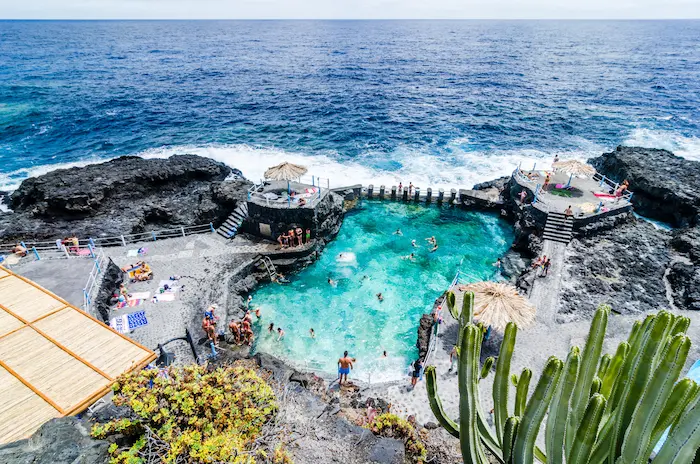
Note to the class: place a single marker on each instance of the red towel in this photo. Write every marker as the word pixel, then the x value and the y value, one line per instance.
pixel 604 195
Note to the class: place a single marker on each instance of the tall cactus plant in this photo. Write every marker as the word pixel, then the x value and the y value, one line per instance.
pixel 600 408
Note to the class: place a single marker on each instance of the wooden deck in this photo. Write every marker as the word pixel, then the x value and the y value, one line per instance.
pixel 55 360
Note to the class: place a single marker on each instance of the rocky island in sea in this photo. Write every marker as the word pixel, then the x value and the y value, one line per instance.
pixel 635 263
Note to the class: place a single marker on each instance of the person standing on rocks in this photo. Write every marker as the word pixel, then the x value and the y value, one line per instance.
pixel 344 366
pixel 546 265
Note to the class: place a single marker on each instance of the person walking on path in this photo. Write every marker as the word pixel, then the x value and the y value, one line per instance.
pixel 545 266
pixel 344 366
pixel 568 212
pixel 453 359
pixel 417 370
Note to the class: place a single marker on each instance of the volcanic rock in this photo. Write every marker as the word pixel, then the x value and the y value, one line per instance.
pixel 122 196
pixel 666 187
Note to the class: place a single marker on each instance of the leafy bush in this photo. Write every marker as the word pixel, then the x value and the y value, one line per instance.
pixel 391 426
pixel 192 415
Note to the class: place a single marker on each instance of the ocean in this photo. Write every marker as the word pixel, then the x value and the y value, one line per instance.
pixel 435 103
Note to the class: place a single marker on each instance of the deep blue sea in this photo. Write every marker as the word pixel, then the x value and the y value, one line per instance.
pixel 436 103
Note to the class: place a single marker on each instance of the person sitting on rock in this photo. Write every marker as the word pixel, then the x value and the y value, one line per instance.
pixel 19 250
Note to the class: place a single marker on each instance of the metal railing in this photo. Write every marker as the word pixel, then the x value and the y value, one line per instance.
pixel 93 281
pixel 51 248
pixel 267 198
pixel 601 179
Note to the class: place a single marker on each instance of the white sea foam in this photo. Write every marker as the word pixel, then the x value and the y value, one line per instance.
pixel 11 180
pixel 457 166
pixel 687 147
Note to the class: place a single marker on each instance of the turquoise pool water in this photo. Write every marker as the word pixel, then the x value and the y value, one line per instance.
pixel 366 258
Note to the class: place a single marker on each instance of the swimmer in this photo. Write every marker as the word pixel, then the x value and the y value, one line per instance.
pixel 280 333
pixel 398 232
pixel 434 248
pixel 332 282
pixel 431 240
pixel 497 264
pixel 271 327
pixel 312 334
pixel 413 243
pixel 384 354
pixel 380 297
pixel 250 298
pixel 411 257
pixel 257 313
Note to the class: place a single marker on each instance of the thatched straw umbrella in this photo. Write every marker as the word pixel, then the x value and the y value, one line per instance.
pixel 496 304
pixel 285 171
pixel 573 168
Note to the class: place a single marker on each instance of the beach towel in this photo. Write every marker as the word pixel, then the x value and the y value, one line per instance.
pixel 83 252
pixel 130 302
pixel 120 324
pixel 132 253
pixel 136 320
pixel 604 195
pixel 173 286
pixel 140 296
pixel 164 297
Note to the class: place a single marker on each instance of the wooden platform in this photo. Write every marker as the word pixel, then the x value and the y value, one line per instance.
pixel 55 360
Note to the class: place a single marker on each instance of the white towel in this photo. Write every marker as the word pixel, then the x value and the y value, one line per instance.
pixel 120 324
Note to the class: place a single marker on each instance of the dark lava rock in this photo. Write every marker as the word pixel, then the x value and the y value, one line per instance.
pixel 666 187
pixel 425 328
pixel 687 242
pixel 513 264
pixel 496 183
pixel 623 267
pixel 122 196
pixel 112 277
pixel 431 425
pixel 685 285
pixel 60 441
pixel 387 451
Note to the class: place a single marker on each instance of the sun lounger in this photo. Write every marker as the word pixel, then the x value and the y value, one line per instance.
pixel 604 195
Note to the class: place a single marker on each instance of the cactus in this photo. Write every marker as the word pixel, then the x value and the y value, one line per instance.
pixel 602 408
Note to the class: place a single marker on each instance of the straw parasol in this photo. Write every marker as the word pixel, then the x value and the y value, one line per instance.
pixel 496 304
pixel 577 168
pixel 285 171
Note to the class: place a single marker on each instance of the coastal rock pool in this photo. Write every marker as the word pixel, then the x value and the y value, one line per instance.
pixel 366 258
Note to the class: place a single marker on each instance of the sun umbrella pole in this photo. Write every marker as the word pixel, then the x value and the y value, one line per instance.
pixel 568 184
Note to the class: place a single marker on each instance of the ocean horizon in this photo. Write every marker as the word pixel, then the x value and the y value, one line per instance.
pixel 441 103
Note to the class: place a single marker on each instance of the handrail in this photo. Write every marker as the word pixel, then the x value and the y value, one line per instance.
pixel 120 240
pixel 92 281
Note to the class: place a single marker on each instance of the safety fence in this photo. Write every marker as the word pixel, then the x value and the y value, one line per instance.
pixel 309 197
pixel 93 282
pixel 614 186
pixel 85 247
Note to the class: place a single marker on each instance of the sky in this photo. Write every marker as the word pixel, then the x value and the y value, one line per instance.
pixel 349 9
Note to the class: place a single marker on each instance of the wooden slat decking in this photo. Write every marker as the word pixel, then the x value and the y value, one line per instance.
pixel 55 360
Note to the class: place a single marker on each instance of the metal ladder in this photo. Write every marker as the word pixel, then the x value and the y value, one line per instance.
pixel 269 266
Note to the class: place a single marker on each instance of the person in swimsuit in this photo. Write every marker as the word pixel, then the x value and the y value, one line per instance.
pixel 398 232
pixel 299 236
pixel 308 235
pixel 280 333
pixel 568 211
pixel 312 334
pixel 257 313
pixel 453 359
pixel 271 327
pixel 344 366
pixel 235 331
pixel 292 238
pixel 332 282
pixel 413 243
pixel 380 297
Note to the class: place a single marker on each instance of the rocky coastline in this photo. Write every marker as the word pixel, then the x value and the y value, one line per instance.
pixel 623 261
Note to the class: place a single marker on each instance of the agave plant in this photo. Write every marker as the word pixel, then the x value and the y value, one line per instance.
pixel 599 408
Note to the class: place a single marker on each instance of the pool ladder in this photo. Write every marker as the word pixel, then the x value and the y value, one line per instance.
pixel 269 266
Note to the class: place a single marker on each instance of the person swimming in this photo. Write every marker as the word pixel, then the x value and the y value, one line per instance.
pixel 411 257
pixel 332 282
pixel 312 334
pixel 398 232
pixel 280 333
pixel 271 327
pixel 413 243
pixel 380 297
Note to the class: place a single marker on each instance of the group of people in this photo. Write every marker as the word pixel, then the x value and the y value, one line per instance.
pixel 542 265
pixel 209 323
pixel 294 237
pixel 242 331
pixel 409 188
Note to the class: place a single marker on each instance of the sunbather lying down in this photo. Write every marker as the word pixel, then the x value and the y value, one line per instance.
pixel 139 271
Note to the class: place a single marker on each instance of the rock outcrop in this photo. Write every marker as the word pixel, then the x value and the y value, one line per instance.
pixel 59 441
pixel 666 187
pixel 623 267
pixel 124 195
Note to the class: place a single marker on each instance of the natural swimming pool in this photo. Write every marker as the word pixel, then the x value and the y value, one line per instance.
pixel 368 257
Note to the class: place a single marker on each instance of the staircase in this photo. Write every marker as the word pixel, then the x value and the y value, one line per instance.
pixel 269 266
pixel 558 228
pixel 230 227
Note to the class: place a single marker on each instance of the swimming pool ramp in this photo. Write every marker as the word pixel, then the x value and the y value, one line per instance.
pixel 55 360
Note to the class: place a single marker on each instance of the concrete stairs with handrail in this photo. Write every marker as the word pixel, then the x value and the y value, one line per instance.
pixel 558 228
pixel 230 227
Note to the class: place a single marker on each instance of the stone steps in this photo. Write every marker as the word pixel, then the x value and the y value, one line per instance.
pixel 558 228
pixel 230 227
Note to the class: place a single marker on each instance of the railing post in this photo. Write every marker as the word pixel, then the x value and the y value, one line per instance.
pixel 92 242
pixel 92 252
pixel 58 244
pixel 630 197
pixel 211 226
pixel 65 250
pixel 453 195
pixel 328 184
pixel 382 192
pixel 602 180
pixel 429 195
pixel 416 195
pixel 537 190
pixel 182 229
pixel 405 194
pixel 441 196
pixel 36 253
pixel 23 245
pixel 123 241
pixel 370 191
pixel 313 181
pixel 534 166
pixel 393 193
pixel 153 234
